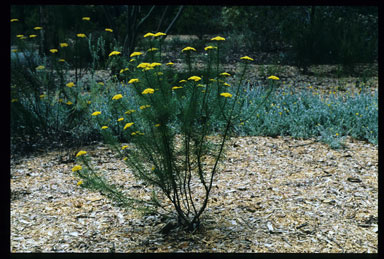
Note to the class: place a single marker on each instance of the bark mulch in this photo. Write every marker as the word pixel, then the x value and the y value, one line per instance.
pixel 271 195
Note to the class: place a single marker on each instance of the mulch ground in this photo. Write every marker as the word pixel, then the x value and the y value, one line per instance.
pixel 270 195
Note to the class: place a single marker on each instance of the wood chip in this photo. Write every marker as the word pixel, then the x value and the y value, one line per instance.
pixel 279 195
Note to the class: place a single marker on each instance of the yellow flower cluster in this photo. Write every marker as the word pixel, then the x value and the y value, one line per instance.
pixel 80 35
pixel 142 107
pixel 70 84
pixel 148 66
pixel 218 38
pixel 117 97
pixel 148 91
pixel 96 113
pixel 209 47
pixel 226 95
pixel 188 49
pixel 134 54
pixel 195 78
pixel 77 168
pixel 123 70
pixel 129 111
pixel 273 78
pixel 80 153
pixel 158 34
pixel 133 80
pixel 113 53
pixel 247 58
pixel 128 125
pixel 108 29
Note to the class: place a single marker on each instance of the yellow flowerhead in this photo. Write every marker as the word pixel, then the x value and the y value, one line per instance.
pixel 218 38
pixel 226 95
pixel 129 111
pixel 170 64
pixel 114 53
pixel 153 49
pixel 157 125
pixel 104 127
pixel 123 70
pixel 19 36
pixel 195 78
pixel 40 67
pixel 38 28
pixel 32 36
pixel 96 113
pixel 76 168
pixel 70 84
pixel 120 119
pixel 247 58
pixel 133 80
pixel 225 74
pixel 14 20
pixel 159 34
pixel 188 49
pixel 148 91
pixel 63 45
pixel 209 47
pixel 108 29
pixel 155 64
pixel 134 54
pixel 149 34
pixel 80 35
pixel 80 182
pixel 69 103
pixel 86 18
pixel 273 78
pixel 182 81
pixel 80 153
pixel 117 97
pixel 53 50
pixel 143 65
pixel 124 147
pixel 128 125
pixel 176 87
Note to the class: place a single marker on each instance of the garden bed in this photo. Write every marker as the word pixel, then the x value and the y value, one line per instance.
pixel 272 195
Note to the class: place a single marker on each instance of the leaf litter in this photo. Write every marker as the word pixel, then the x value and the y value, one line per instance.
pixel 271 195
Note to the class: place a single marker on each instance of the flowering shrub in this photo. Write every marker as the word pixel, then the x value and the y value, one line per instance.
pixel 168 124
